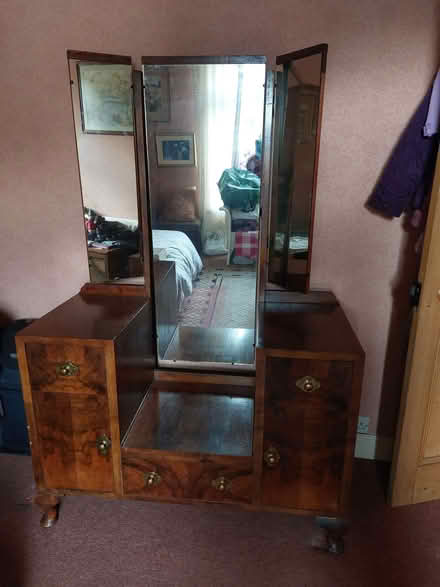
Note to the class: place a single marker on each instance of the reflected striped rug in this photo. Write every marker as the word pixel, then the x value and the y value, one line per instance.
pixel 221 298
pixel 198 308
pixel 235 305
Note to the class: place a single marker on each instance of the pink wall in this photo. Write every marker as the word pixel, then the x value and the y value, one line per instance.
pixel 382 55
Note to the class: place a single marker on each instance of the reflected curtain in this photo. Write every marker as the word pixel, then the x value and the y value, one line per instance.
pixel 230 105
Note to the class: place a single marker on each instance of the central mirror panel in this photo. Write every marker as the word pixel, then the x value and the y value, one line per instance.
pixel 204 121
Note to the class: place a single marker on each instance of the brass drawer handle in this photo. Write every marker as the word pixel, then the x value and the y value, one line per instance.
pixel 67 369
pixel 103 445
pixel 152 478
pixel 308 384
pixel 221 484
pixel 271 457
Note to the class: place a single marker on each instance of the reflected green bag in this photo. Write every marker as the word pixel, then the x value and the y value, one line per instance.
pixel 239 188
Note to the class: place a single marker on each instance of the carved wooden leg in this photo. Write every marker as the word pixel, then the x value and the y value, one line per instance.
pixel 331 538
pixel 50 504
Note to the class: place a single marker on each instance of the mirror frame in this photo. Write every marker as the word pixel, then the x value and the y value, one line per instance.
pixel 299 282
pixel 162 60
pixel 113 287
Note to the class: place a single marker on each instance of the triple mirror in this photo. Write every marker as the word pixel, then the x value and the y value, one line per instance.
pixel 202 148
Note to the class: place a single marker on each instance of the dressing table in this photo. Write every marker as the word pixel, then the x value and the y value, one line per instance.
pixel 105 419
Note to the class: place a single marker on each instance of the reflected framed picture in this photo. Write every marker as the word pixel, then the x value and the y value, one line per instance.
pixel 176 150
pixel 106 98
pixel 157 94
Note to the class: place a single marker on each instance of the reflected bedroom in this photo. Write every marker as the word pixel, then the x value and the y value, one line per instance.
pixel 204 126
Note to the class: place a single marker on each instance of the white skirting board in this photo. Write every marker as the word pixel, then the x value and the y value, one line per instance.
pixel 376 448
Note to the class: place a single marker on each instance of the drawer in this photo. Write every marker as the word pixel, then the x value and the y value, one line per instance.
pixel 306 424
pixel 153 474
pixel 66 367
pixel 309 379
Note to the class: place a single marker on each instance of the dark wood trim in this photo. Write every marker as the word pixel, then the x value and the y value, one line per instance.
pixel 194 456
pixel 196 377
pixel 307 52
pixel 284 270
pixel 358 373
pixel 136 157
pixel 99 57
pixel 30 415
pixel 203 59
pixel 278 124
pixel 77 161
pixel 112 399
pixel 257 448
pixel 183 500
pixel 142 182
pixel 265 191
pixel 321 355
pixel 212 385
pixel 315 175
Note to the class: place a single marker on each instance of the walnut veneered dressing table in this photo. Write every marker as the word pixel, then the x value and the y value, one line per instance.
pixel 105 418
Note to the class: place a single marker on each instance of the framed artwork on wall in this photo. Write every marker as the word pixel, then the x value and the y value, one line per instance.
pixel 176 150
pixel 106 98
pixel 157 94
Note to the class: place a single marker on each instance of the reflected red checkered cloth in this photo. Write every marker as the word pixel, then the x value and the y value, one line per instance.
pixel 246 244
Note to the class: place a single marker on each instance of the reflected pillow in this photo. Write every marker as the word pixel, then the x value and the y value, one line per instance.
pixel 179 207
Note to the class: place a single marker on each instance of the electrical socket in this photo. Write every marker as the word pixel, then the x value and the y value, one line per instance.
pixel 363 424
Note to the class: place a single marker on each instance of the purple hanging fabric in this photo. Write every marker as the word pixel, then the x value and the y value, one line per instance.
pixel 406 180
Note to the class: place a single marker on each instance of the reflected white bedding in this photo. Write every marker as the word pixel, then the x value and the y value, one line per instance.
pixel 179 248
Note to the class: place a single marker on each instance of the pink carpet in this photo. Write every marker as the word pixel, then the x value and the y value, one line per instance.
pixel 100 543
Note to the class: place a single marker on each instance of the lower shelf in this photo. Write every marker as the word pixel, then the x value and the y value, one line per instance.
pixel 193 422
pixel 222 346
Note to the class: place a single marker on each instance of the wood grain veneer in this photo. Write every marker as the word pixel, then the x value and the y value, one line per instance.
pixel 308 328
pixel 87 317
pixel 187 476
pixel 309 430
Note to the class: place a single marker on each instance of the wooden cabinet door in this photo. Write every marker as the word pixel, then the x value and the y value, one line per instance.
pixel 70 414
pixel 305 433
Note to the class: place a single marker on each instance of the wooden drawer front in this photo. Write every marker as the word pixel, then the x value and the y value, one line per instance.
pixel 152 474
pixel 308 429
pixel 46 361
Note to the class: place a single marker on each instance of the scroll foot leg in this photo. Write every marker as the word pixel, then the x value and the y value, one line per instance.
pixel 50 505
pixel 332 533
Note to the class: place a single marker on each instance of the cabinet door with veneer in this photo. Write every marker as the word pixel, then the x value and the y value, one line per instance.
pixel 307 404
pixel 70 404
